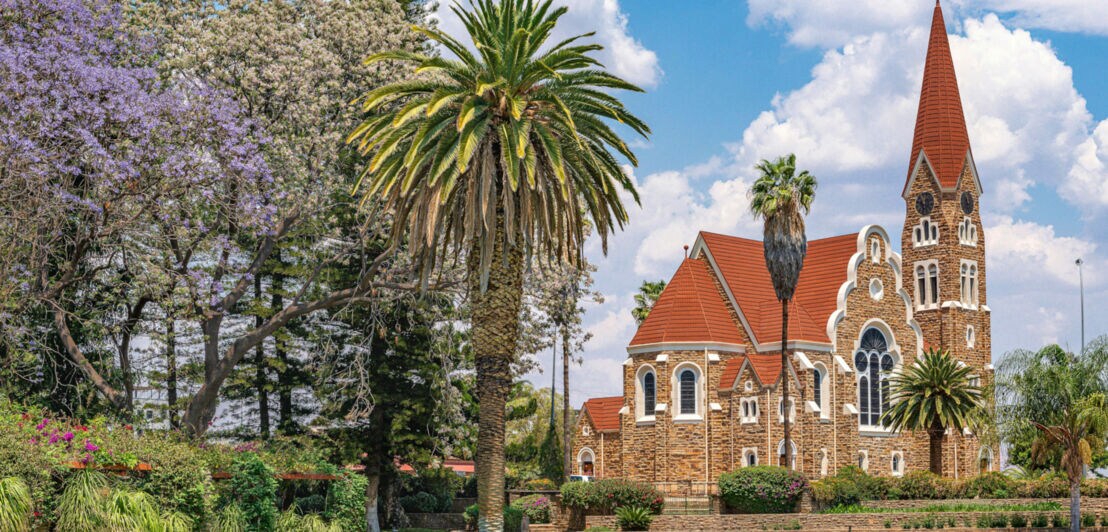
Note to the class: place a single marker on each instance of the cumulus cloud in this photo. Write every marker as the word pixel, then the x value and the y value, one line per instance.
pixel 1021 251
pixel 1087 16
pixel 623 55
pixel 1088 179
pixel 832 23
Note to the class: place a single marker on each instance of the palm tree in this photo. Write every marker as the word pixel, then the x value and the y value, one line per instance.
pixel 1063 397
pixel 935 393
pixel 498 155
pixel 778 197
pixel 648 295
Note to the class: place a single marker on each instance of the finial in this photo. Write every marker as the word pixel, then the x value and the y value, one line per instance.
pixel 686 251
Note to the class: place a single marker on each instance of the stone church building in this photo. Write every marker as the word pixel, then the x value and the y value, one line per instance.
pixel 701 383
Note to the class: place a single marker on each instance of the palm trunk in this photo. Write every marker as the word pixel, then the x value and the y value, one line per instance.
pixel 785 380
pixel 495 317
pixel 936 433
pixel 567 464
pixel 1075 505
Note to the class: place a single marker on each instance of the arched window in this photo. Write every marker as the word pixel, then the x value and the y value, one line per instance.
pixel 973 283
pixel 686 392
pixel 585 461
pixel 985 460
pixel 874 365
pixel 781 453
pixel 863 460
pixel 896 464
pixel 969 282
pixel 925 233
pixel 750 456
pixel 921 285
pixel 646 394
pixel 817 387
pixel 933 275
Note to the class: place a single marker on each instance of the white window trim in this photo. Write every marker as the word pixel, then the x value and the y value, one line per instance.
pixel 967 232
pixel 919 239
pixel 875 250
pixel 824 392
pixel 585 429
pixel 865 460
pixel 581 460
pixel 926 300
pixel 866 429
pixel 781 452
pixel 747 452
pixel 641 415
pixel 971 336
pixel 698 388
pixel 752 403
pixel 969 295
pixel 896 472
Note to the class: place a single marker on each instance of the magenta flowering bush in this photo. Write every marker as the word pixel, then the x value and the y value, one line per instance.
pixel 762 489
pixel 535 507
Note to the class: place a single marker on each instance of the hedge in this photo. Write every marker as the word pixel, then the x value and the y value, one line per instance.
pixel 602 497
pixel 535 507
pixel 762 489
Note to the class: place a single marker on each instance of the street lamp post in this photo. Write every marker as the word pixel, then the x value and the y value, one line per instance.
pixel 1081 288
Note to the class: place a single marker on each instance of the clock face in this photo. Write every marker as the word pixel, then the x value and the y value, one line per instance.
pixel 967 202
pixel 924 203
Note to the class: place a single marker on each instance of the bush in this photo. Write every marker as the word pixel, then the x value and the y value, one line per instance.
pixel 15 505
pixel 1048 486
pixel 633 518
pixel 541 484
pixel 604 496
pixel 762 489
pixel 1088 520
pixel 346 501
pixel 254 488
pixel 851 485
pixel 1018 520
pixel 921 485
pixel 535 507
pixel 1040 521
pixel 419 503
pixel 513 518
pixel 998 520
pixel 1061 521
pixel 989 486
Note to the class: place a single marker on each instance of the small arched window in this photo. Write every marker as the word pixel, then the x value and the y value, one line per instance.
pixel 933 275
pixel 687 380
pixel 648 393
pixel 817 386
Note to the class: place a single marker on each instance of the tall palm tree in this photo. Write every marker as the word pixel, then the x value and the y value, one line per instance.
pixel 499 154
pixel 933 394
pixel 781 197
pixel 1063 397
pixel 648 295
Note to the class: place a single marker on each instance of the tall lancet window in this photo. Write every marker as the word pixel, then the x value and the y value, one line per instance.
pixel 874 365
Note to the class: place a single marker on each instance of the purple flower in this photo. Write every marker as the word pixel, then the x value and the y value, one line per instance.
pixel 91 447
pixel 68 436
pixel 54 438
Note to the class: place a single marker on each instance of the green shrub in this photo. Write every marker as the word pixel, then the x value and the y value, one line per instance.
pixel 254 488
pixel 633 518
pixel 1061 521
pixel 998 520
pixel 1088 520
pixel 535 507
pixel 1040 521
pixel 1018 520
pixel 346 501
pixel 983 521
pixel 604 496
pixel 989 486
pixel 851 485
pixel 598 529
pixel 1049 486
pixel 513 518
pixel 762 489
pixel 1094 487
pixel 419 503
pixel 541 484
pixel 920 485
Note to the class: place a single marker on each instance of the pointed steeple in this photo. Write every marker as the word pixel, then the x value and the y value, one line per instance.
pixel 940 123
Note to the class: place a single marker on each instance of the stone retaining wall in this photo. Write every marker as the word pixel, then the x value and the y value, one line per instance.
pixel 815 522
pixel 438 521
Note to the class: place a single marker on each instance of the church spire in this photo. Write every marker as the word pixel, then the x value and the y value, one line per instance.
pixel 940 123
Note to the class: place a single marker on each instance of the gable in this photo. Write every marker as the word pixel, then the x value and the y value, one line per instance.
pixel 689 310
pixel 603 412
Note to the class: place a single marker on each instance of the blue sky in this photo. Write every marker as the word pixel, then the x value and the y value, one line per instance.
pixel 837 82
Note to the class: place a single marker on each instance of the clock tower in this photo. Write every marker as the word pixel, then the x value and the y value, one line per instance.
pixel 943 241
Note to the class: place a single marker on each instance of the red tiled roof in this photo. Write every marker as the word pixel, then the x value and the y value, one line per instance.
pixel 940 123
pixel 742 263
pixel 690 309
pixel 604 412
pixel 767 366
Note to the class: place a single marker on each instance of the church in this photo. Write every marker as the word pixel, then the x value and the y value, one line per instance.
pixel 702 378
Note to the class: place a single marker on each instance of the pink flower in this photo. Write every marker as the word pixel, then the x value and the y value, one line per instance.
pixel 54 438
pixel 91 447
pixel 68 436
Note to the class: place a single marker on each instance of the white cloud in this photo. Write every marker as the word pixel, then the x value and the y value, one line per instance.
pixel 1021 251
pixel 623 55
pixel 1088 16
pixel 1087 182
pixel 832 23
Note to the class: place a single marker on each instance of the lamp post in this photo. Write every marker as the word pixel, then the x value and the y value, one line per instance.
pixel 1081 288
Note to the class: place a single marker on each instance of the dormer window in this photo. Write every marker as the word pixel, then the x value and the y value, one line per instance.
pixel 967 232
pixel 925 233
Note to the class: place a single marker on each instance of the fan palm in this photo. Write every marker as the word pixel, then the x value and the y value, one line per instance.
pixel 1063 397
pixel 781 197
pixel 500 154
pixel 648 295
pixel 933 394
